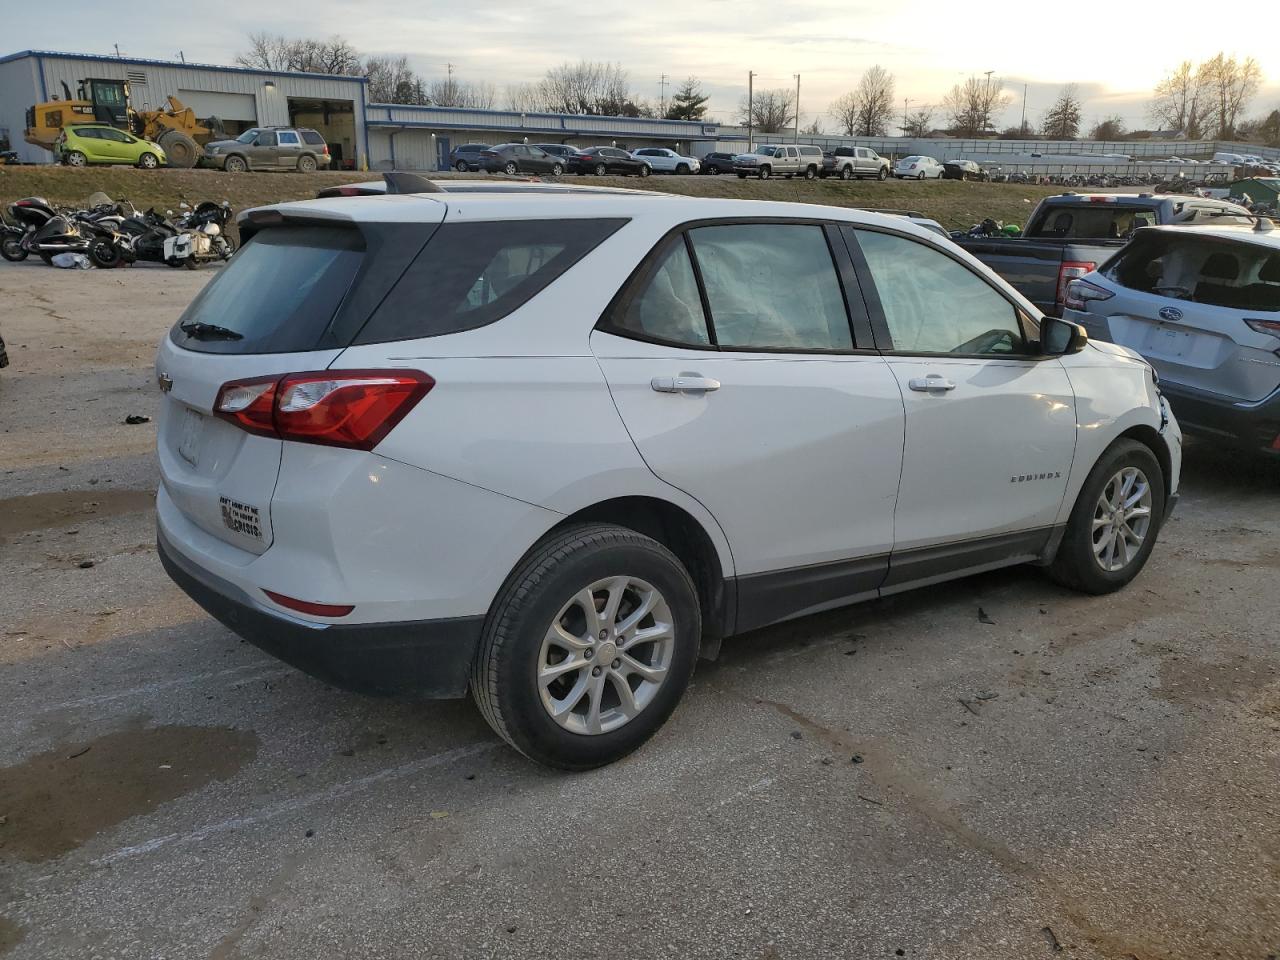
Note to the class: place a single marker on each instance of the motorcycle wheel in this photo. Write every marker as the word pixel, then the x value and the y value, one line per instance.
pixel 104 254
pixel 12 250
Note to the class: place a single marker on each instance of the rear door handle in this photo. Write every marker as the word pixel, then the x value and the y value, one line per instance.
pixel 931 383
pixel 684 384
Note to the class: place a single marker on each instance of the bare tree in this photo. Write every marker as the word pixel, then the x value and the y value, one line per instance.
pixel 1062 120
pixel 587 87
pixel 524 97
pixel 771 111
pixel 875 102
pixel 481 95
pixel 391 80
pixel 972 105
pixel 1229 84
pixel 814 129
pixel 919 123
pixel 1178 102
pixel 844 111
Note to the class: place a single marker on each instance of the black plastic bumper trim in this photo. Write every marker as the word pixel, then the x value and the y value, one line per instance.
pixel 425 659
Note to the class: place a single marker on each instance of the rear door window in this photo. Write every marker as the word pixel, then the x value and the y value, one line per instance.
pixel 666 305
pixel 471 274
pixel 278 293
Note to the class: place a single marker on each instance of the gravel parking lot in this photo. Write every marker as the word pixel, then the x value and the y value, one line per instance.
pixel 1085 777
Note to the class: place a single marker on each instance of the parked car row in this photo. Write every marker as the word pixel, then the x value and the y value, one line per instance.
pixel 561 158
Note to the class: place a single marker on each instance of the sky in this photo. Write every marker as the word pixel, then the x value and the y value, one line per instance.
pixel 928 45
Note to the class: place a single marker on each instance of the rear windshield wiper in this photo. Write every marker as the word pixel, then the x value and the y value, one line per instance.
pixel 198 330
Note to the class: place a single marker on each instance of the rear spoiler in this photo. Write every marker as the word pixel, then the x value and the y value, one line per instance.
pixel 397 182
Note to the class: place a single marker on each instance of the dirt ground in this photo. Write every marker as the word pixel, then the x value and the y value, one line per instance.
pixel 1091 778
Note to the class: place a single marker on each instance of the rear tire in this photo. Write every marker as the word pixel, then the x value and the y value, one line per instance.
pixel 510 167
pixel 179 148
pixel 1081 564
pixel 104 254
pixel 76 159
pixel 846 173
pixel 307 164
pixel 537 607
pixel 811 173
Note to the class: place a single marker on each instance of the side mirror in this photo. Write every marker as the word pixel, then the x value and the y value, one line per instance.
pixel 1060 337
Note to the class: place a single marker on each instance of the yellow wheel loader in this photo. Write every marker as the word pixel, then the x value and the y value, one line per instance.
pixel 176 129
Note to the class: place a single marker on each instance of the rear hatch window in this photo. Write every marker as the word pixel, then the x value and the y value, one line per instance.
pixel 1215 271
pixel 278 294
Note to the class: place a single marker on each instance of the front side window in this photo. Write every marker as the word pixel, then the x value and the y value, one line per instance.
pixel 472 274
pixel 772 286
pixel 267 139
pixel 933 304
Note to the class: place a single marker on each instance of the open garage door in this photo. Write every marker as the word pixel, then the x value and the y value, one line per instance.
pixel 237 111
pixel 336 122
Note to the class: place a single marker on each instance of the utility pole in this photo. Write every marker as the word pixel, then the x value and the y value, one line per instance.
pixel 905 101
pixel 117 46
pixel 986 104
pixel 751 75
pixel 796 139
pixel 1022 127
pixel 662 96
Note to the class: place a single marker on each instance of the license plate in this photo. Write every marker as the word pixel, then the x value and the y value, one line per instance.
pixel 1169 342
pixel 189 437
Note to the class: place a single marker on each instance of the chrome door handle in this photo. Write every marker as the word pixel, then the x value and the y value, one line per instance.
pixel 684 384
pixel 930 383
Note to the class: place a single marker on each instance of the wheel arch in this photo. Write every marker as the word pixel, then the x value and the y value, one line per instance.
pixel 1149 437
pixel 685 536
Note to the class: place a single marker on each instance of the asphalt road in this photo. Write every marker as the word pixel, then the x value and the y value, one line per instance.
pixel 1082 777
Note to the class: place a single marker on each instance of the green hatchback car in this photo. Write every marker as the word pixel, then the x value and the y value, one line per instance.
pixel 81 144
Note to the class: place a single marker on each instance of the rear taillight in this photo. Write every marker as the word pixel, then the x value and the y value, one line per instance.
pixel 1071 270
pixel 337 408
pixel 1080 292
pixel 1265 326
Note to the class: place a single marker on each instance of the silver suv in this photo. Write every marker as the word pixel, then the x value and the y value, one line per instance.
pixel 269 148
pixel 783 160
pixel 1202 306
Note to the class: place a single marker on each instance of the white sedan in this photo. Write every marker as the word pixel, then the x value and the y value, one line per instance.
pixel 918 168
pixel 662 160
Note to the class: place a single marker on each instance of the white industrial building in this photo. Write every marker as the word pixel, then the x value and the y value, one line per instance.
pixel 239 97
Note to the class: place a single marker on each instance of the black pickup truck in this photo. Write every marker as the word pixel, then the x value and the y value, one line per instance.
pixel 1069 235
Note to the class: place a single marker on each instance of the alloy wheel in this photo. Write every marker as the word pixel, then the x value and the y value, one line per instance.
pixel 605 655
pixel 1121 519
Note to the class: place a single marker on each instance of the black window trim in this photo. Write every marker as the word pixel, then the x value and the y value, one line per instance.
pixel 860 324
pixel 880 326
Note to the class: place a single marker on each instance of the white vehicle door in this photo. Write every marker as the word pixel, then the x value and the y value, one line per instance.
pixel 991 422
pixel 731 360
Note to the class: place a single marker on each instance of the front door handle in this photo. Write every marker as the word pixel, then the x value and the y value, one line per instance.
pixel 931 383
pixel 685 383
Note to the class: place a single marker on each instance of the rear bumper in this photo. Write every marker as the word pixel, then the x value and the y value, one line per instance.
pixel 1255 425
pixel 428 659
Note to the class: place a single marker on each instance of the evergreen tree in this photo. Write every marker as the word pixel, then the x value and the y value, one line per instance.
pixel 689 102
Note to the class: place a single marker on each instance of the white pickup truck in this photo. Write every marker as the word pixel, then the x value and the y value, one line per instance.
pixel 783 160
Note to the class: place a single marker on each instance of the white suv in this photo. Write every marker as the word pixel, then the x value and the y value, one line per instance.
pixel 551 449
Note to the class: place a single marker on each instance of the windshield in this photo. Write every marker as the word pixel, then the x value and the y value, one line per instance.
pixel 248 136
pixel 767 151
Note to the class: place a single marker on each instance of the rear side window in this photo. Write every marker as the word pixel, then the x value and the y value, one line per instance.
pixel 471 274
pixel 772 286
pixel 279 292
pixel 288 139
pixel 313 138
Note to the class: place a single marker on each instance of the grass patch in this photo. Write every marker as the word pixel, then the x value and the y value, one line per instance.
pixel 954 204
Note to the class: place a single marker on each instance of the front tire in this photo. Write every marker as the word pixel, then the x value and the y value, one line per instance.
pixel 846 173
pixel 1115 521
pixel 920 175
pixel 235 165
pixel 764 173
pixel 557 169
pixel 588 647
pixel 148 161
pixel 104 254
pixel 682 169
pixel 460 166
pixel 645 171
pixel 11 249
pixel 883 174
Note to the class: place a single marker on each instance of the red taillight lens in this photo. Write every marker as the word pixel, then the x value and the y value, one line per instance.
pixel 1265 326
pixel 337 408
pixel 1071 270
pixel 306 606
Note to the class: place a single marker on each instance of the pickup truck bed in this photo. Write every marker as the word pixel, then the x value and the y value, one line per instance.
pixel 1071 234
